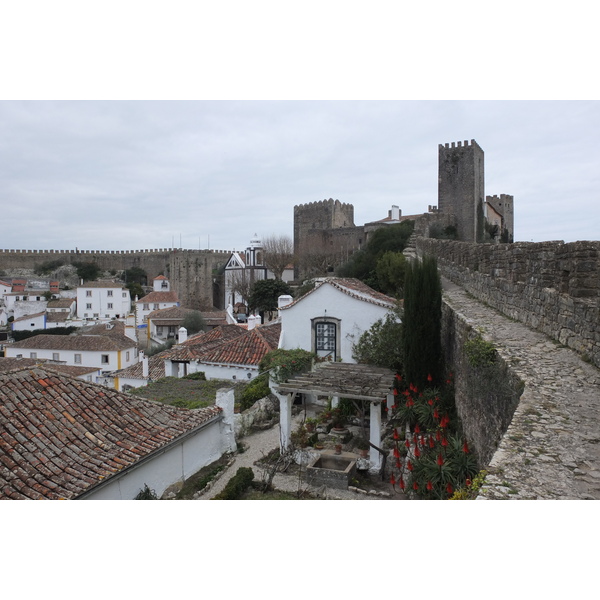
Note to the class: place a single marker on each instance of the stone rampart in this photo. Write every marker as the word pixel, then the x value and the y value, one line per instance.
pixel 550 286
pixel 194 274
pixel 487 394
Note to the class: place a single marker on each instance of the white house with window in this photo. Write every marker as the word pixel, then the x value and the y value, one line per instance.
pixel 106 352
pixel 102 300
pixel 330 318
pixel 30 322
pixel 159 298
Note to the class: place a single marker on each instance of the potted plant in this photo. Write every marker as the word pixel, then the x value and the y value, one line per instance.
pixel 310 424
pixel 339 419
pixel 363 446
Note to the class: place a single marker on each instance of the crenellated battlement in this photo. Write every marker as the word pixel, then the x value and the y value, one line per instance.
pixel 323 204
pixel 465 144
pixel 111 252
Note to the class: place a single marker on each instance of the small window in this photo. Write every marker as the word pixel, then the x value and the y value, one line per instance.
pixel 32 324
pixel 127 356
pixel 105 359
pixel 146 307
pixel 109 293
pixel 33 355
pixel 88 293
pixel 78 359
pixel 156 307
pixel 55 356
pixel 88 306
pixel 109 306
pixel 124 294
pixel 89 377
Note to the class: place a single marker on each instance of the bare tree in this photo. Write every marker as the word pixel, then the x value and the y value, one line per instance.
pixel 241 284
pixel 278 253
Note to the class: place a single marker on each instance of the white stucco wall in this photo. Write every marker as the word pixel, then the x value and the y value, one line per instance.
pixel 212 371
pixel 102 304
pixel 174 464
pixel 356 316
pixel 88 358
pixel 29 324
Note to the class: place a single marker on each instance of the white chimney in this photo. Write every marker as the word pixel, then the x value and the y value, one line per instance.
pixel 253 321
pixel 181 335
pixel 145 368
pixel 284 301
pixel 395 213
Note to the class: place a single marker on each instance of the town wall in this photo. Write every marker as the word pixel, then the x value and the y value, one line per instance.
pixel 486 396
pixel 194 274
pixel 552 287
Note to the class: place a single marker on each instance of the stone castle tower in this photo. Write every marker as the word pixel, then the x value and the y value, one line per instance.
pixel 461 188
pixel 325 231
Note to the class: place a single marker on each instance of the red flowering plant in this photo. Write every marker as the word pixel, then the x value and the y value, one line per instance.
pixel 438 459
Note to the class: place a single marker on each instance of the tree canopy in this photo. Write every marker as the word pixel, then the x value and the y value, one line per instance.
pixel 264 294
pixel 193 322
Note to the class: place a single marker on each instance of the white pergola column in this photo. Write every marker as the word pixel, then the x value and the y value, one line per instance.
pixel 375 435
pixel 285 416
pixel 335 401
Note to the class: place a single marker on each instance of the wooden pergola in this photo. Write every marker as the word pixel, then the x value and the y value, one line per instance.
pixel 339 380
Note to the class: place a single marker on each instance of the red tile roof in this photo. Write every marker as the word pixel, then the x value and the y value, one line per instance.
pixel 352 287
pixel 46 341
pixel 247 349
pixel 111 285
pixel 59 437
pixel 156 368
pixel 158 297
pixel 26 317
pixel 205 340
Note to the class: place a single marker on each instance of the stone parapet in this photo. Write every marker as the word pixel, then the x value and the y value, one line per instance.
pixel 550 286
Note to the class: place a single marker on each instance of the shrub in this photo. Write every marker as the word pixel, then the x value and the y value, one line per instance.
pixel 258 388
pixel 286 363
pixel 237 485
pixel 146 494
pixel 198 376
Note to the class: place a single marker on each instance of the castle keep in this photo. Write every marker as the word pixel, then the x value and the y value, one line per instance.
pixel 461 187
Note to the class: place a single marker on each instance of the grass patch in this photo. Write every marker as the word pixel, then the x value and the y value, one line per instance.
pixel 185 393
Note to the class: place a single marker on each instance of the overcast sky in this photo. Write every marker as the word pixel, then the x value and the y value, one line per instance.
pixel 126 175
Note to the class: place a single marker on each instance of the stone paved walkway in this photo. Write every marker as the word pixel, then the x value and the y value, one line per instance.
pixel 551 449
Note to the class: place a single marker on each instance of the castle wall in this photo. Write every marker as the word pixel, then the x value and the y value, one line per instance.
pixel 550 286
pixel 461 187
pixel 193 273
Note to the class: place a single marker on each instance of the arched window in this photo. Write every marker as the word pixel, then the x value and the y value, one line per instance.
pixel 326 336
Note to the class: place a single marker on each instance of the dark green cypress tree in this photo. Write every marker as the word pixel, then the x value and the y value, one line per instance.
pixel 422 323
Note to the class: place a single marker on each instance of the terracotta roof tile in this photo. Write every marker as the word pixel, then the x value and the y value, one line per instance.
pixel 247 349
pixel 158 297
pixel 64 436
pixel 46 341
pixel 352 287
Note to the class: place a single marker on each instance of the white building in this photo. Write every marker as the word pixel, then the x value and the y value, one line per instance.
pixel 102 300
pixel 106 352
pixel 30 322
pixel 330 319
pixel 160 297
pixel 245 268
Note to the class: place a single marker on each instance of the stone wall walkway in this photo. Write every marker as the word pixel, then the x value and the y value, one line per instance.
pixel 551 449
